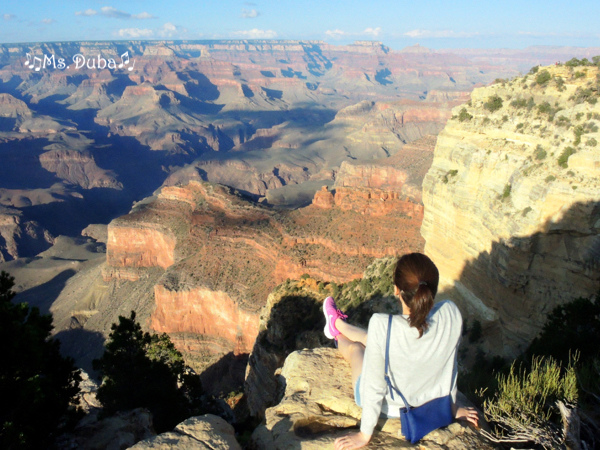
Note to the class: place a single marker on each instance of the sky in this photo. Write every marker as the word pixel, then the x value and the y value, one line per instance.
pixel 397 23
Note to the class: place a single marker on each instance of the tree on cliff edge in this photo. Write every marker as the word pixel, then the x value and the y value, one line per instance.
pixel 38 387
pixel 143 370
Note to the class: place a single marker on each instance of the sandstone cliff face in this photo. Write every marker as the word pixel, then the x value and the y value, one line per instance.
pixel 204 312
pixel 318 406
pixel 510 218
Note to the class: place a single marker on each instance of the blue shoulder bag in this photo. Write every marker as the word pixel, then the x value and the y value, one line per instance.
pixel 418 421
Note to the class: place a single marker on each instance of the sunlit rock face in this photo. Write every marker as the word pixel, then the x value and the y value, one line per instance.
pixel 511 219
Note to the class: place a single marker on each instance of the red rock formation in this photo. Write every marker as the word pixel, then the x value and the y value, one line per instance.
pixel 205 312
pixel 142 245
pixel 323 198
pixel 223 255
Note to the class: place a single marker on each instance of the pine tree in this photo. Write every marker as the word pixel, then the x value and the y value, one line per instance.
pixel 143 370
pixel 38 387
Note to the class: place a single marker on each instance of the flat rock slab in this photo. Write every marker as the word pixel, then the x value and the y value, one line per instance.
pixel 318 407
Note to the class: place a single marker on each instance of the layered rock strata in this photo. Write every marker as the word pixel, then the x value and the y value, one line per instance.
pixel 222 255
pixel 512 201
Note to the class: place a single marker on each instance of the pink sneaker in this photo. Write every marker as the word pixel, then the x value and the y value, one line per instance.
pixel 331 315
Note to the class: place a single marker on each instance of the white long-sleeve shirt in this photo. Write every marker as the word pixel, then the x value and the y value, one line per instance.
pixel 421 368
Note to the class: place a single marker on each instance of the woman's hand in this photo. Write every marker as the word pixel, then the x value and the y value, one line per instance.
pixel 469 414
pixel 353 440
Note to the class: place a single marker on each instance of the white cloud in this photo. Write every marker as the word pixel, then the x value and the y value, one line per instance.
pixel 169 30
pixel 143 15
pixel 9 16
pixel 48 21
pixel 110 11
pixel 372 31
pixel 250 14
pixel 135 33
pixel 87 12
pixel 438 34
pixel 255 33
pixel 336 34
pixel 340 34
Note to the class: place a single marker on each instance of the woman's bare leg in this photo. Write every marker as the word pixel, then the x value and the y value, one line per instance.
pixel 354 353
pixel 351 332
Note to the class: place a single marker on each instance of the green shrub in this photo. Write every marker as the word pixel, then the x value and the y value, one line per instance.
pixel 543 77
pixel 450 173
pixel 573 62
pixel 526 211
pixel 540 153
pixel 578 74
pixel 578 132
pixel 534 69
pixel 591 127
pixel 591 142
pixel 560 83
pixel 506 191
pixel 520 126
pixel 504 118
pixel 525 406
pixel 550 178
pixel 493 104
pixel 585 95
pixel 563 121
pixel 563 159
pixel 519 103
pixel 464 115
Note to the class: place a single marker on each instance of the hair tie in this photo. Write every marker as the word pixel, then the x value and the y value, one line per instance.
pixel 422 283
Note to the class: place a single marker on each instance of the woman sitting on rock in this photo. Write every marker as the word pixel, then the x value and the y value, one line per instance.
pixel 422 349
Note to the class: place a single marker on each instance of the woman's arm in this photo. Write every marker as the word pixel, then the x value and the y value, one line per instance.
pixel 373 387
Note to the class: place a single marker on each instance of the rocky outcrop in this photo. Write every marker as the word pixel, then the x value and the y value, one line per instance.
pixel 202 432
pixel 318 406
pixel 20 237
pixel 78 168
pixel 512 201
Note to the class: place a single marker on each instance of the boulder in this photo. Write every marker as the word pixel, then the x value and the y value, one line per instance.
pixel 318 407
pixel 201 432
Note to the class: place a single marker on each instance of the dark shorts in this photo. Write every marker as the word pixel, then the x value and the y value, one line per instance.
pixel 357 392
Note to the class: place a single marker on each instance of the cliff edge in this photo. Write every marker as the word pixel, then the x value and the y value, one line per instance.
pixel 318 407
pixel 512 201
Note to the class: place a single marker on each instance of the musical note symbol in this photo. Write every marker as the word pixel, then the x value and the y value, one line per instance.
pixel 124 59
pixel 131 68
pixel 28 62
pixel 35 59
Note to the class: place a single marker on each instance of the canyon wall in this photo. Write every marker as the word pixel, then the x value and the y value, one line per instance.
pixel 222 255
pixel 512 201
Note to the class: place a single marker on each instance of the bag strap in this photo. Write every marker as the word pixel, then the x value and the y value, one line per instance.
pixel 387 360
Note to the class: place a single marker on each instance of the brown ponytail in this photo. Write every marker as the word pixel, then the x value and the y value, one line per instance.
pixel 417 277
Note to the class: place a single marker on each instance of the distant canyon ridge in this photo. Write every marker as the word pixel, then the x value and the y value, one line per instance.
pixel 226 167
pixel 273 119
